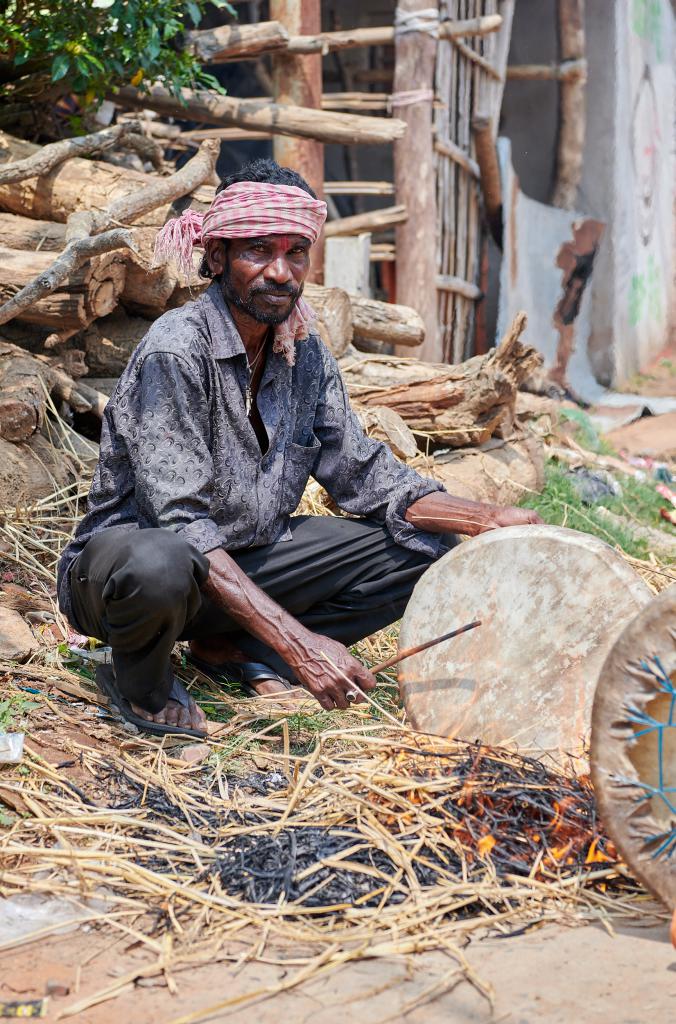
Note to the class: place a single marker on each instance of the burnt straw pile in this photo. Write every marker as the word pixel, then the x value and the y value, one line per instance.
pixel 362 839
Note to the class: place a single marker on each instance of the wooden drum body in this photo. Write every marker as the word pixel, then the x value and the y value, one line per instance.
pixel 633 748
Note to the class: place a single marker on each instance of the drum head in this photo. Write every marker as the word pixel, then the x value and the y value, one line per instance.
pixel 633 748
pixel 552 602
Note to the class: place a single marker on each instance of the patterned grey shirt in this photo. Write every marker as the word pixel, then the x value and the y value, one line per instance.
pixel 178 450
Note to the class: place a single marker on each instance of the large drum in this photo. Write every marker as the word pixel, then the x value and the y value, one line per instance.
pixel 633 748
pixel 552 603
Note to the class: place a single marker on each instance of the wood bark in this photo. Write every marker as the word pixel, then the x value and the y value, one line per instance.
pixel 209 107
pixel 48 157
pixel 573 90
pixel 90 291
pixel 568 70
pixel 297 81
pixel 25 382
pixel 74 185
pixel 236 42
pixel 415 181
pixel 388 322
pixel 110 341
pixel 147 291
pixel 19 232
pixel 451 405
pixel 374 220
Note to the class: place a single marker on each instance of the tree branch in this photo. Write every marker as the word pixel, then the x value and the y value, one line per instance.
pixel 49 156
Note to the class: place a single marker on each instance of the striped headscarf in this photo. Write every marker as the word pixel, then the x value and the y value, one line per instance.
pixel 245 210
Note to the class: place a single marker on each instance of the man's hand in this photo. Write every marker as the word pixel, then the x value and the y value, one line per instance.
pixel 510 516
pixel 323 666
pixel 329 671
pixel 439 512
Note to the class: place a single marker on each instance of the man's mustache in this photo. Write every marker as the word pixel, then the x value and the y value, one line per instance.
pixel 278 290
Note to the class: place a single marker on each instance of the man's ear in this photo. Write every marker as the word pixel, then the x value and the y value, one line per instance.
pixel 215 252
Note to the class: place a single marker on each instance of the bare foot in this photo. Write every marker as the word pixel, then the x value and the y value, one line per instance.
pixel 273 688
pixel 190 717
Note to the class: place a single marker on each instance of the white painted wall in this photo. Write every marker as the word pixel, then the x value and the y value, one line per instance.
pixel 628 182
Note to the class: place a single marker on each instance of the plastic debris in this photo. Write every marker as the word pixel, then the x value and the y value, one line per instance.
pixel 24 1009
pixel 11 747
pixel 591 486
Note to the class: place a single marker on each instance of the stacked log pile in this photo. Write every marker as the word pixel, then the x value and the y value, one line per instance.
pixel 78 291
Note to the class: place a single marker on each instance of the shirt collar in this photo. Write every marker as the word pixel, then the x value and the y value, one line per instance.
pixel 225 338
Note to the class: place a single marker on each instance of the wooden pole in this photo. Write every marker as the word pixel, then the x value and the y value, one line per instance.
pixel 210 107
pixel 572 104
pixel 415 179
pixel 297 81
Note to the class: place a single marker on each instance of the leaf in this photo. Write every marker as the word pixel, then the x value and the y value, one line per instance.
pixel 194 12
pixel 60 66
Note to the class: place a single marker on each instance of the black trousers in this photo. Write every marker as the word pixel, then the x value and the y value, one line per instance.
pixel 140 591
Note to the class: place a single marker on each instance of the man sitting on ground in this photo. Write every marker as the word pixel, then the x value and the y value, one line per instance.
pixel 227 407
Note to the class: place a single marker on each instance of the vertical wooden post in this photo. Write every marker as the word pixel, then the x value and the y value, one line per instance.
pixel 415 180
pixel 572 105
pixel 298 80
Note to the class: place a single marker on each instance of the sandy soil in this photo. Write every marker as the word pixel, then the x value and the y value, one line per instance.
pixel 553 975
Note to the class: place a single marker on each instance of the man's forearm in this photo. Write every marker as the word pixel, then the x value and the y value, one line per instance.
pixel 231 589
pixel 439 512
pixel 324 666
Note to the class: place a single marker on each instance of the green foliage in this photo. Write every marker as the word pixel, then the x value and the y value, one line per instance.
pixel 92 46
pixel 12 710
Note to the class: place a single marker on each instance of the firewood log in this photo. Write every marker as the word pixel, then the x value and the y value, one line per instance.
pixel 25 383
pixel 110 341
pixel 19 232
pixel 91 291
pixel 74 185
pixel 451 405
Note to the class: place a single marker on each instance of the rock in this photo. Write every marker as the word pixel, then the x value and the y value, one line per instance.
pixel 499 472
pixel 195 753
pixel 57 988
pixel 16 639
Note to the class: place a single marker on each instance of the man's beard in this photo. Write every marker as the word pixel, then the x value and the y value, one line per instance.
pixel 247 301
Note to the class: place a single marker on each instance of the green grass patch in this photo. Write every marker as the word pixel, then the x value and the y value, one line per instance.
pixel 12 711
pixel 560 505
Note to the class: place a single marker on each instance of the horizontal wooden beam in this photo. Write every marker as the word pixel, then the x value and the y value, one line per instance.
pixel 246 42
pixel 304 122
pixel 569 70
pixel 375 220
pixel 359 188
pixel 447 283
pixel 382 252
pixel 383 35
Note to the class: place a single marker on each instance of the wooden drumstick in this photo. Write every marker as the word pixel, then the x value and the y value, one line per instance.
pixel 423 647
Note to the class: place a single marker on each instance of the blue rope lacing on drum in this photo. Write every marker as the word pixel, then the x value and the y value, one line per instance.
pixel 666 841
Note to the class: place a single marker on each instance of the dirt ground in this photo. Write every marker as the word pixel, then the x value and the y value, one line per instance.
pixel 553 975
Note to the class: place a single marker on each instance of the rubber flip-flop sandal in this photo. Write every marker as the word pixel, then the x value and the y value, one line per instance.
pixel 107 684
pixel 245 673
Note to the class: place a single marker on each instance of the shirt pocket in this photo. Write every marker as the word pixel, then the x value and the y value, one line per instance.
pixel 299 461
